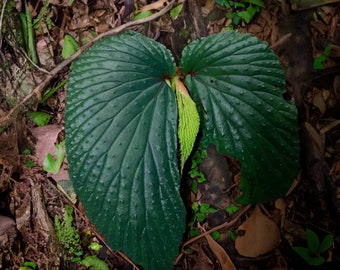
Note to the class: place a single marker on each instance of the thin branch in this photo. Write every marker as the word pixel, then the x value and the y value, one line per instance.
pixel 225 225
pixel 1 19
pixel 38 91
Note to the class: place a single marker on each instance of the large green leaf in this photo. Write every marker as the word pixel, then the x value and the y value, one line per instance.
pixel 121 141
pixel 237 83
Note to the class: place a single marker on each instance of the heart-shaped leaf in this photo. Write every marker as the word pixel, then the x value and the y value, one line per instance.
pixel 121 141
pixel 237 84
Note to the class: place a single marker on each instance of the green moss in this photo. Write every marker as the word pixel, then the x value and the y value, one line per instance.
pixel 67 234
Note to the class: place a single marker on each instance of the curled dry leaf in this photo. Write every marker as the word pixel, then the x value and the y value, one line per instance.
pixel 261 235
pixel 221 255
pixel 46 137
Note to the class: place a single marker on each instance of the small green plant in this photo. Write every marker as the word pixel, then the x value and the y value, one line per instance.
pixel 67 234
pixel 69 238
pixel 232 209
pixel 132 119
pixel 70 46
pixel 30 163
pixel 195 173
pixel 28 266
pixel 39 118
pixel 200 213
pixel 239 11
pixel 51 91
pixel 312 254
pixel 44 18
pixel 318 61
pixel 28 33
pixel 52 163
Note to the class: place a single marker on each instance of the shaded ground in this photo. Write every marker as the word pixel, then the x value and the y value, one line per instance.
pixel 31 197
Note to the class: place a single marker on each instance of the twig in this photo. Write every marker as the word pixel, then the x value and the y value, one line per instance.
pixel 38 91
pixel 227 224
pixel 1 19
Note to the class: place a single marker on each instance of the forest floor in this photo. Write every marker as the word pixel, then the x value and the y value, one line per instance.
pixel 31 197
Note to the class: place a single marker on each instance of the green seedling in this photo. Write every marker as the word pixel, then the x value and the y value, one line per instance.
pixel 239 11
pixel 216 235
pixel 69 238
pixel 232 235
pixel 39 118
pixel 44 17
pixel 30 163
pixel 28 266
pixel 232 209
pixel 194 173
pixel 176 11
pixel 28 33
pixel 67 234
pixel 51 91
pixel 142 15
pixel 52 163
pixel 94 246
pixel 200 214
pixel 70 47
pixel 318 61
pixel 312 254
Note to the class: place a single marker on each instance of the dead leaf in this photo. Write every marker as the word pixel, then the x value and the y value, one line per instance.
pixel 317 138
pixel 261 235
pixel 155 5
pixel 221 255
pixel 46 138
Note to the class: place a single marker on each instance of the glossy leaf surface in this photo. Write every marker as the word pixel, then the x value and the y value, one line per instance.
pixel 121 141
pixel 237 84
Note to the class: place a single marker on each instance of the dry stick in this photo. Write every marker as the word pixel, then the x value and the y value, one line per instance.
pixel 5 121
pixel 1 19
pixel 227 224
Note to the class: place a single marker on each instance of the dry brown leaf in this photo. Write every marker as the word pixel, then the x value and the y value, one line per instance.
pixel 46 138
pixel 261 235
pixel 208 7
pixel 317 138
pixel 319 102
pixel 155 5
pixel 221 255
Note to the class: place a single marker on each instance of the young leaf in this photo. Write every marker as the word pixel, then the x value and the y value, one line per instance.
pixel 70 46
pixel 95 263
pixel 52 163
pixel 121 143
pixel 326 243
pixel 188 122
pixel 312 241
pixel 142 15
pixel 39 118
pixel 311 259
pixel 237 84
pixel 175 11
pixel 259 3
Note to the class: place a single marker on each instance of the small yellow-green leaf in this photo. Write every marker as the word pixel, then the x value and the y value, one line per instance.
pixel 39 118
pixel 142 15
pixel 52 163
pixel 175 11
pixel 188 122
pixel 70 47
